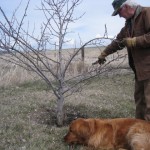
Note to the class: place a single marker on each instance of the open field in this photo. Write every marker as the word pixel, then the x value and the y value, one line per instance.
pixel 11 74
pixel 27 106
pixel 27 120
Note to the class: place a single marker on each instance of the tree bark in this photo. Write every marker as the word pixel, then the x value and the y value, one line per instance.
pixel 60 112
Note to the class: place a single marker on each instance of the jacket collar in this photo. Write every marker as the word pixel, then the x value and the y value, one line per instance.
pixel 130 22
pixel 138 11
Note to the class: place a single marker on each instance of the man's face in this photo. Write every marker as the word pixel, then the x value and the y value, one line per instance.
pixel 125 12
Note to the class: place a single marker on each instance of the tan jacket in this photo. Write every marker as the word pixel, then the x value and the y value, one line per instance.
pixel 139 57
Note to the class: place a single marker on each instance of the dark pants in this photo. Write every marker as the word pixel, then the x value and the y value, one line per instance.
pixel 142 99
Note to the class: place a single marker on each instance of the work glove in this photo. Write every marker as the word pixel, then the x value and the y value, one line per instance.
pixel 101 59
pixel 129 42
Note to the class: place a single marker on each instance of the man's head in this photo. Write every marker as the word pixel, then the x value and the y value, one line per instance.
pixel 117 5
pixel 125 8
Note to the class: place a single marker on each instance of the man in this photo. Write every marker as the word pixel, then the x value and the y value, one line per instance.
pixel 135 35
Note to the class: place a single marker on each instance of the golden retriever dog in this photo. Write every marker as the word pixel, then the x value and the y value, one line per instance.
pixel 110 134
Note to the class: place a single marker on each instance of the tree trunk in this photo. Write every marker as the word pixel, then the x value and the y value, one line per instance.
pixel 60 112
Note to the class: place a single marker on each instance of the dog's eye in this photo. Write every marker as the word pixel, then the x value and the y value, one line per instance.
pixel 71 130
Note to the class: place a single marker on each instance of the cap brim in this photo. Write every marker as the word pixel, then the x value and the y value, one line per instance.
pixel 115 12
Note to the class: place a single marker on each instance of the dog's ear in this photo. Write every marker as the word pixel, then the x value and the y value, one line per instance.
pixel 86 128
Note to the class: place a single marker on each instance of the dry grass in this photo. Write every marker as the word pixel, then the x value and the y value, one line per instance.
pixel 12 74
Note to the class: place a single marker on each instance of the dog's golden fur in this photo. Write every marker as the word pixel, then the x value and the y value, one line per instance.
pixel 114 134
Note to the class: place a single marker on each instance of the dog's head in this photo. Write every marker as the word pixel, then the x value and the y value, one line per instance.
pixel 79 131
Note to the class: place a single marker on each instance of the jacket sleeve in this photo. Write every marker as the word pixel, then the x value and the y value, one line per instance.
pixel 143 41
pixel 116 43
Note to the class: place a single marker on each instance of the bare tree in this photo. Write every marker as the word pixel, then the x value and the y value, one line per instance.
pixel 16 42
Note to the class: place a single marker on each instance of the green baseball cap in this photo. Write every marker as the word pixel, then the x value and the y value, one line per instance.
pixel 116 5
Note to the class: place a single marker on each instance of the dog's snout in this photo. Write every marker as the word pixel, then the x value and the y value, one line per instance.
pixel 66 138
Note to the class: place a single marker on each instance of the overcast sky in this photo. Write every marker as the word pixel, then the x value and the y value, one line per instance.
pixel 97 14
